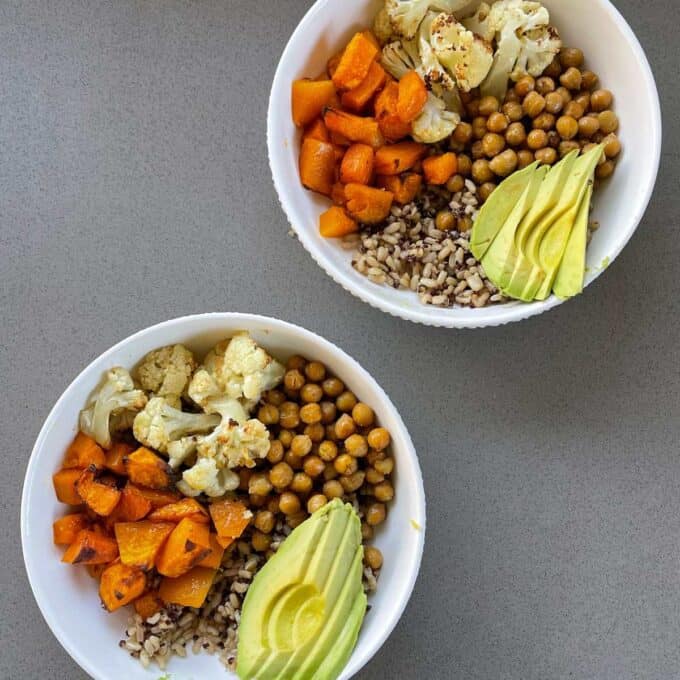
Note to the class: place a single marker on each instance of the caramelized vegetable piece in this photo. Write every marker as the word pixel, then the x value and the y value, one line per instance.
pixel 83 452
pixel 147 469
pixel 391 125
pixel 412 97
pixel 317 166
pixel 140 542
pixel 354 128
pixel 91 547
pixel 355 62
pixel 405 187
pixel 148 604
pixel 317 130
pixel 66 528
pixel 65 486
pixel 120 585
pixel 214 559
pixel 189 590
pixel 176 512
pixel 309 99
pixel 440 169
pixel 335 222
pixel 186 546
pixel 366 204
pixel 225 541
pixel 357 165
pixel 115 457
pixel 332 65
pixel 394 159
pixel 338 194
pixel 133 505
pixel 98 491
pixel 358 98
pixel 96 570
pixel 158 498
pixel 339 140
pixel 230 518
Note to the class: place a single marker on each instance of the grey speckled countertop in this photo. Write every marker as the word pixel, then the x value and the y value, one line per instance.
pixel 134 187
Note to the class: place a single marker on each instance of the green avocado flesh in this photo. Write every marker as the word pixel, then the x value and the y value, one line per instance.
pixel 541 243
pixel 302 614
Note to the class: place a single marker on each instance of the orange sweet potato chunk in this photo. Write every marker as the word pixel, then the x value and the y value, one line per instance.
pixel 188 590
pixel 366 204
pixel 214 559
pixel 140 542
pixel 98 491
pixel 355 62
pixel 65 486
pixel 394 159
pixel 230 518
pixel 91 547
pixel 176 512
pixel 65 529
pixel 412 97
pixel 133 505
pixel 186 546
pixel 158 498
pixel 120 585
pixel 225 541
pixel 145 468
pixel 148 604
pixel 440 169
pixel 357 165
pixel 386 113
pixel 309 98
pixel 317 165
pixel 360 96
pixel 83 452
pixel 335 223
pixel 96 570
pixel 362 129
pixel 404 188
pixel 115 457
pixel 317 130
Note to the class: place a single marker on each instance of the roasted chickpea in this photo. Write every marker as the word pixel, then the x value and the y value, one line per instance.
pixel 481 172
pixel 497 122
pixel 384 466
pixel 504 164
pixel 513 111
pixel 273 505
pixel 544 85
pixel 511 96
pixel 330 433
pixel 311 393
pixel 567 127
pixel 346 402
pixel 366 531
pixel 264 521
pixel 328 412
pixel 554 70
pixel 537 139
pixel 588 126
pixel 274 397
pixel 463 133
pixel 301 445
pixel 286 437
pixel 310 413
pixel 572 79
pixel 333 387
pixel 316 502
pixel 275 453
pixel 589 81
pixel 477 150
pixel 516 134
pixel 454 185
pixel 260 541
pixel 533 104
pixel 445 220
pixel 601 100
pixel 333 489
pixel 244 476
pixel 525 158
pixel 373 476
pixel 302 483
pixel 329 473
pixel 289 503
pixel 464 165
pixel 344 426
pixel 296 519
pixel 373 557
pixel 296 363
pixel 259 484
pixel 547 156
pixel 565 94
pixel 479 128
pixel 583 99
pixel 486 189
pixel 571 57
pixel 379 439
pixel 293 380
pixel 612 146
pixel 493 144
pixel 374 456
pixel 605 170
pixel 353 482
pixel 464 224
pixel 554 139
pixel 472 108
pixel 281 475
pixel 315 371
pixel 488 105
pixel 609 122
pixel 294 461
pixel 315 431
pixel 554 103
pixel 313 466
pixel 268 414
pixel 375 514
pixel 345 464
pixel 356 445
pixel 289 415
pixel 567 147
pixel 546 121
pixel 383 492
pixel 524 86
pixel 574 109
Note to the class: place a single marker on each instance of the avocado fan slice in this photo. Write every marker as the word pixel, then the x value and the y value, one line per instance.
pixel 498 261
pixel 569 278
pixel 495 212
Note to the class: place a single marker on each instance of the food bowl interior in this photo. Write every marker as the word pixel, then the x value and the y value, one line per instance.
pixel 68 597
pixel 611 50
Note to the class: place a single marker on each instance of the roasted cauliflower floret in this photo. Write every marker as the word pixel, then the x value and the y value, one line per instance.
pixel 406 15
pixel 205 477
pixel 114 401
pixel 435 122
pixel 166 372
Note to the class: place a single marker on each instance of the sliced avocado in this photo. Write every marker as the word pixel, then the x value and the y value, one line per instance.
pixel 554 243
pixel 302 614
pixel 500 257
pixel 495 212
pixel 569 279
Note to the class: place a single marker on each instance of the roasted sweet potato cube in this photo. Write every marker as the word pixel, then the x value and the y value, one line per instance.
pixel 140 542
pixel 176 512
pixel 145 468
pixel 148 604
pixel 158 498
pixel 98 491
pixel 186 546
pixel 96 570
pixel 357 98
pixel 309 97
pixel 65 529
pixel 230 518
pixel 115 457
pixel 214 559
pixel 83 452
pixel 355 62
pixel 120 585
pixel 91 547
pixel 190 589
pixel 65 486
pixel 133 505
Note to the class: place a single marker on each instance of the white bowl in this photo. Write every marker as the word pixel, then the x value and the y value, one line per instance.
pixel 68 597
pixel 612 51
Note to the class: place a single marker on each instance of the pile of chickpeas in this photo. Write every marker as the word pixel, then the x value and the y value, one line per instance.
pixel 325 444
pixel 541 119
